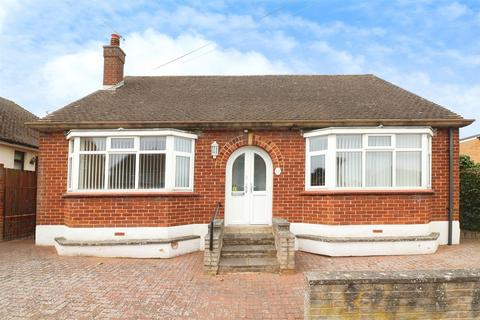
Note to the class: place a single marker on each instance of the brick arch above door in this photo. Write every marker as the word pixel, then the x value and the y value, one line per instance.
pixel 250 139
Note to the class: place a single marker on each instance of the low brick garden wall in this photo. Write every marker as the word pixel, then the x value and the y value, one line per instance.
pixel 285 245
pixel 211 259
pixel 445 294
pixel 468 234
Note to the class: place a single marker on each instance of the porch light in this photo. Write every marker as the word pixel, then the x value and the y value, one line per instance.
pixel 214 149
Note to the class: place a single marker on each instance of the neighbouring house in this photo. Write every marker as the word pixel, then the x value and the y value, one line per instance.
pixel 357 165
pixel 470 146
pixel 18 143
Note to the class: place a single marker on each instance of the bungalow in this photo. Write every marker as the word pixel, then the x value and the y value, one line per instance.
pixel 357 165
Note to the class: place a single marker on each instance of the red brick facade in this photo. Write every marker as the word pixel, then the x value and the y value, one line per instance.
pixel 287 150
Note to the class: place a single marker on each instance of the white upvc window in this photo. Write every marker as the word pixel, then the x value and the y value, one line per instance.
pixel 130 160
pixel 368 158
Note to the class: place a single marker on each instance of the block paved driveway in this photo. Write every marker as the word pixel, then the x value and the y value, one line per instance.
pixel 35 283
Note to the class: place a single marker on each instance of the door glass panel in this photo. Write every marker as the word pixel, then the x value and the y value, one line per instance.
pixel 238 174
pixel 259 174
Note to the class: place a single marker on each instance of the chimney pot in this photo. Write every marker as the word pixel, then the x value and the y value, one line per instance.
pixel 115 40
pixel 113 61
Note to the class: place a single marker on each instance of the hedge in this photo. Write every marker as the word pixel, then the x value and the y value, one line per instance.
pixel 469 194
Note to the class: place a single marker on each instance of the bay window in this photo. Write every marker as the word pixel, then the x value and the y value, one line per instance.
pixel 368 158
pixel 130 160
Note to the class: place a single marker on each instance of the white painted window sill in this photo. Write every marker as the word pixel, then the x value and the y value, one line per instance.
pixel 360 192
pixel 113 194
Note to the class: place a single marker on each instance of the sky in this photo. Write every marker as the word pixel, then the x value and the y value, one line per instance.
pixel 51 51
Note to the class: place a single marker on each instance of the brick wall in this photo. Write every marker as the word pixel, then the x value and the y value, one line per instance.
pixel 114 59
pixel 52 178
pixel 285 245
pixel 440 178
pixel 447 294
pixel 287 150
pixel 471 148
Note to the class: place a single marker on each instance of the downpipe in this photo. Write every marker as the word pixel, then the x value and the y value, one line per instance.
pixel 450 185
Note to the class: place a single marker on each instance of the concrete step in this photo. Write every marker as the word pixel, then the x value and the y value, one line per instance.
pixel 248 239
pixel 248 229
pixel 248 251
pixel 234 265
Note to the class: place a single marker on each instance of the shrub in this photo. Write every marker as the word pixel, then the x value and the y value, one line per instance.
pixel 469 194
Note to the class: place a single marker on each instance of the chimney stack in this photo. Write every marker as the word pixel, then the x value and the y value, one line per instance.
pixel 113 61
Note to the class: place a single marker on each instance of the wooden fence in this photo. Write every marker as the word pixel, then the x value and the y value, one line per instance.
pixel 18 200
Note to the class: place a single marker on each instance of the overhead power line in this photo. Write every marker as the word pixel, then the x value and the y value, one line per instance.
pixel 242 41
pixel 211 43
pixel 184 55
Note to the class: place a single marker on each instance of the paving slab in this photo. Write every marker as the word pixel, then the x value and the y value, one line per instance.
pixel 36 283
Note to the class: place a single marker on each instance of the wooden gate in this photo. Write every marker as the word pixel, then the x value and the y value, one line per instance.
pixel 19 206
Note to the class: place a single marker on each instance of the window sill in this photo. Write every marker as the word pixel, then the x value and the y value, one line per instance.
pixel 110 194
pixel 366 192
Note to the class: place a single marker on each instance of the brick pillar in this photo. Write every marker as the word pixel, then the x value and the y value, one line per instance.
pixel 2 199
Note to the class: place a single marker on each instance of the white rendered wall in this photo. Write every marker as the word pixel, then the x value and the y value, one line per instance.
pixel 7 153
pixel 358 249
pixel 388 230
pixel 144 251
pixel 45 234
pixel 373 248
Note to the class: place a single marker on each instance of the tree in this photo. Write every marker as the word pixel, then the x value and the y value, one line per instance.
pixel 469 194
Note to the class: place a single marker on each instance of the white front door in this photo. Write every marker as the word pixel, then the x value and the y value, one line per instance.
pixel 248 192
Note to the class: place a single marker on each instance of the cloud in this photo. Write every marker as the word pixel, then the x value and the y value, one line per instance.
pixel 70 76
pixel 318 30
pixel 453 10
pixel 6 6
pixel 51 53
pixel 342 61
pixel 463 99
pixel 470 60
pixel 150 49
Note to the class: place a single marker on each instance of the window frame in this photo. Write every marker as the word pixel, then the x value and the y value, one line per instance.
pixel 425 133
pixel 308 160
pixel 21 161
pixel 74 153
pixel 190 155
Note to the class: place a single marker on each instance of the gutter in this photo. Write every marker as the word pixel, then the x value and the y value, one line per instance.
pixel 20 145
pixel 450 184
pixel 50 126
